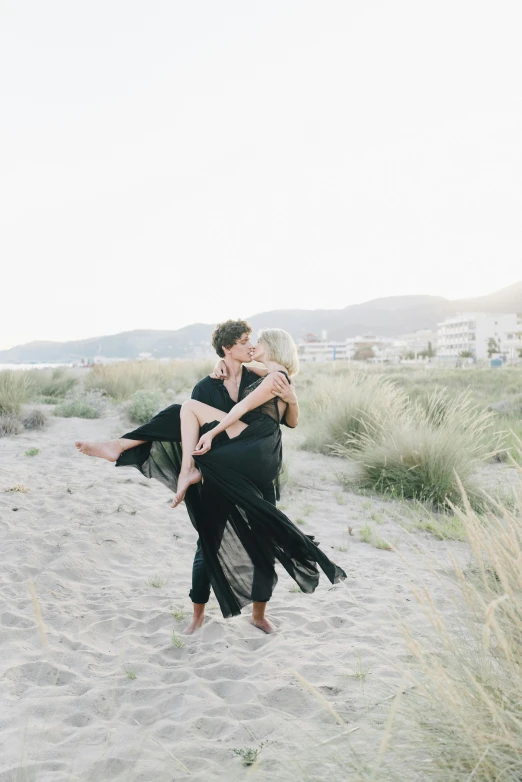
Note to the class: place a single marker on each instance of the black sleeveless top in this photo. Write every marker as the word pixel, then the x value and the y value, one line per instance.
pixel 269 408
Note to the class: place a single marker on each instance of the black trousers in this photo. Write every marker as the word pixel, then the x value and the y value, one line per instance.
pixel 262 587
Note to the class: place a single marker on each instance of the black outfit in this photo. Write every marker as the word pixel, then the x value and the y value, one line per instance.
pixel 239 552
pixel 213 392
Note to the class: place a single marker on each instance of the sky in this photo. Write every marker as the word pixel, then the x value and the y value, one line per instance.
pixel 167 162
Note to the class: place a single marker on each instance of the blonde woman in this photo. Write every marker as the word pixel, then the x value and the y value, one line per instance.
pixel 237 453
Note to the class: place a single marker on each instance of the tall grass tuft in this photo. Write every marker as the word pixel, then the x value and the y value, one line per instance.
pixel 466 707
pixel 52 384
pixel 35 419
pixel 10 425
pixel 121 381
pixel 419 454
pixel 15 388
pixel 349 407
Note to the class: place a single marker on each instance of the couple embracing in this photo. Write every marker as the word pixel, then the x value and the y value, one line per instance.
pixel 221 453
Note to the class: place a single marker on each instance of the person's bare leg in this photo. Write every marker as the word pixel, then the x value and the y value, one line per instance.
pixel 193 415
pixel 197 618
pixel 189 473
pixel 107 449
pixel 258 618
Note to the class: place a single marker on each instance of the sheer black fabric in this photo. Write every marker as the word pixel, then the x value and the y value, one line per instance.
pixel 240 532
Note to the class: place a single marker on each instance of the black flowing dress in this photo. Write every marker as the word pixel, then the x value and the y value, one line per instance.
pixel 252 532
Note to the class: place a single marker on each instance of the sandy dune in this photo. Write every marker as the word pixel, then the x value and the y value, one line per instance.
pixel 107 562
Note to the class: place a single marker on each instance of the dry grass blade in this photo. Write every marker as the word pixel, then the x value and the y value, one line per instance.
pixel 310 687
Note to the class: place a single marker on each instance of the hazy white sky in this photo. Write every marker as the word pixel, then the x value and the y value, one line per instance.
pixel 165 162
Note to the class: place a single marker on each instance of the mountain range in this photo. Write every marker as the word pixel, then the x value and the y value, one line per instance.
pixel 390 316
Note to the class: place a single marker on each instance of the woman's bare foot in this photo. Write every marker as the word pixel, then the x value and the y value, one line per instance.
pixel 263 624
pixel 109 449
pixel 185 480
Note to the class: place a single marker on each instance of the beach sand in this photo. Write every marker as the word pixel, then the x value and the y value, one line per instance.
pixel 97 680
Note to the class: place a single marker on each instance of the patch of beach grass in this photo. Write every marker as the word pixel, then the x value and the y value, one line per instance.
pixel 177 641
pixel 32 452
pixel 51 385
pixel 420 455
pixel 368 535
pixel 465 707
pixel 361 671
pixel 120 381
pixel 15 389
pixel 81 405
pixel 143 406
pixel 444 525
pixel 10 425
pixel 157 582
pixel 248 755
pixel 35 420
pixel 342 409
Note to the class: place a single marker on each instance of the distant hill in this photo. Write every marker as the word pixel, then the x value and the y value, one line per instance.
pixel 389 316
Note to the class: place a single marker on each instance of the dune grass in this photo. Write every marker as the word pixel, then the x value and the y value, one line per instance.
pixel 466 705
pixel 120 381
pixel 345 407
pixel 10 425
pixel 420 455
pixel 81 405
pixel 35 420
pixel 51 385
pixel 15 389
pixel 404 448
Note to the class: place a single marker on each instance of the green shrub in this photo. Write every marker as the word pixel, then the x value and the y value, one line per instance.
pixel 344 408
pixel 10 425
pixel 35 419
pixel 52 384
pixel 144 405
pixel 423 454
pixel 88 405
pixel 15 388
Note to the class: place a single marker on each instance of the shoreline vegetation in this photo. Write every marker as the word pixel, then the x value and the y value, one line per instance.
pixel 420 471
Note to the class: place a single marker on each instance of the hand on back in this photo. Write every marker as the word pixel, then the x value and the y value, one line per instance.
pixel 282 388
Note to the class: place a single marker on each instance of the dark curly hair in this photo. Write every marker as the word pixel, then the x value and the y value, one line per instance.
pixel 226 334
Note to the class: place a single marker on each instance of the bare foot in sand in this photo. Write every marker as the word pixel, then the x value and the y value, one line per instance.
pixel 185 480
pixel 264 625
pixel 109 449
pixel 197 618
pixel 195 624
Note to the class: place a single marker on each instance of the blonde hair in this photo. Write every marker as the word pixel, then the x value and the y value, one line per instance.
pixel 280 347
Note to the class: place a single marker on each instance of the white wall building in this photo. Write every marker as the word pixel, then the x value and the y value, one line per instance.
pixel 471 332
pixel 414 343
pixel 346 350
pixel 513 345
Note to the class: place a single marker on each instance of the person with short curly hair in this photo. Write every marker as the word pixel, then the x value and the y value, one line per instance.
pixel 227 334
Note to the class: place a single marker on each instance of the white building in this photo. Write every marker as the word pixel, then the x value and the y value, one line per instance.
pixel 346 350
pixel 470 332
pixel 413 344
pixel 513 345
